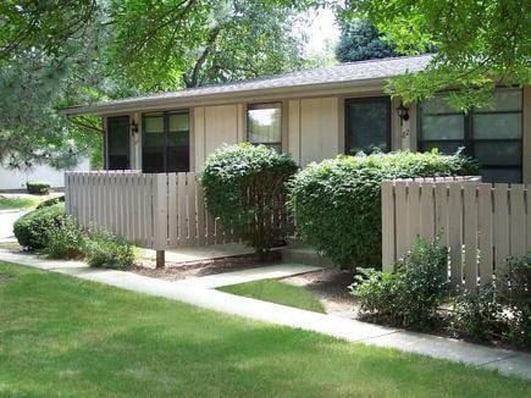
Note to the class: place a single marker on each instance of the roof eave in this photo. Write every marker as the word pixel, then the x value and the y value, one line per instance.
pixel 204 99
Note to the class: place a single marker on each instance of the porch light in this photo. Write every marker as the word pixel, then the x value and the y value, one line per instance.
pixel 134 127
pixel 403 112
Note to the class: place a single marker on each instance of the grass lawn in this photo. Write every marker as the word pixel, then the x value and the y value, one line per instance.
pixel 64 337
pixel 277 292
pixel 20 203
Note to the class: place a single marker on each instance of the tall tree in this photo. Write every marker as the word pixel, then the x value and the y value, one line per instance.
pixel 480 44
pixel 55 53
pixel 359 41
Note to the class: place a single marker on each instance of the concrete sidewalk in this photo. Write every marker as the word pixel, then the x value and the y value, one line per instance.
pixel 505 361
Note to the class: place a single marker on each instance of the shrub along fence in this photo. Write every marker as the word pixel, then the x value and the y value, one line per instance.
pixel 156 211
pixel 482 224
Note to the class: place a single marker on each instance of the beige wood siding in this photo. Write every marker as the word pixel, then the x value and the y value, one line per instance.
pixel 214 126
pixel 319 129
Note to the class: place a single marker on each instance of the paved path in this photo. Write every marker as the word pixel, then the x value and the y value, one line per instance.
pixel 505 361
pixel 7 219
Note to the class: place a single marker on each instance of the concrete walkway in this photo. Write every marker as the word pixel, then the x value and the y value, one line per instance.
pixel 505 361
pixel 188 254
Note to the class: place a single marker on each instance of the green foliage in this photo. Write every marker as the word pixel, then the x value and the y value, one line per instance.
pixel 105 250
pixel 65 241
pixel 337 203
pixel 51 201
pixel 410 296
pixel 480 44
pixel 31 230
pixel 38 187
pixel 244 186
pixel 500 310
pixel 360 41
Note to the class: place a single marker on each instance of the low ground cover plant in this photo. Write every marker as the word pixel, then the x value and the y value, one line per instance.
pixel 337 205
pixel 51 202
pixel 245 186
pixel 410 296
pixel 51 231
pixel 497 311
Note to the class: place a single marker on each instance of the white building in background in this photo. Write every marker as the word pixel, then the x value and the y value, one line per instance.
pixel 16 179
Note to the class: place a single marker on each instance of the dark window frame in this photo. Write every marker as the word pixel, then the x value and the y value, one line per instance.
pixel 165 131
pixel 266 105
pixel 384 99
pixel 106 142
pixel 468 140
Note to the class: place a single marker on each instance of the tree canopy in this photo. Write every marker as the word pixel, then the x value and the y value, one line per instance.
pixel 360 41
pixel 480 44
pixel 55 53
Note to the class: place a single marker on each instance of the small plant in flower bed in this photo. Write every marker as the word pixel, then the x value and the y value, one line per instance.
pixel 105 250
pixel 497 311
pixel 66 241
pixel 410 296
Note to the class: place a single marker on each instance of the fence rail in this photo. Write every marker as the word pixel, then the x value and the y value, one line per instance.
pixel 482 224
pixel 158 211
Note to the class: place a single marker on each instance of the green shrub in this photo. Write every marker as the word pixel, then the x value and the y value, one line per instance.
pixel 32 229
pixel 104 250
pixel 337 203
pixel 498 311
pixel 38 187
pixel 244 186
pixel 51 202
pixel 411 295
pixel 66 241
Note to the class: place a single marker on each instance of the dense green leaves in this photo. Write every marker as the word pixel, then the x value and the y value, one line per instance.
pixel 480 44
pixel 245 186
pixel 337 203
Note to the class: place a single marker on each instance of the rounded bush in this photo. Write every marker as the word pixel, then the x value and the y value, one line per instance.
pixel 66 241
pixel 245 186
pixel 32 229
pixel 38 187
pixel 51 202
pixel 337 205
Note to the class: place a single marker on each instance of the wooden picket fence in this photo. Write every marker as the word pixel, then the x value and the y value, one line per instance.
pixel 482 224
pixel 157 211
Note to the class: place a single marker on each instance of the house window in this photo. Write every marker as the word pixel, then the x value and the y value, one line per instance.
pixel 491 135
pixel 117 143
pixel 264 125
pixel 368 125
pixel 165 142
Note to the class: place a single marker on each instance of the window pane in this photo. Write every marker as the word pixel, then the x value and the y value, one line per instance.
pixel 154 124
pixel 437 104
pixel 498 126
pixel 448 127
pixel 506 99
pixel 445 147
pixel 498 153
pixel 118 143
pixel 264 125
pixel 513 175
pixel 368 125
pixel 179 122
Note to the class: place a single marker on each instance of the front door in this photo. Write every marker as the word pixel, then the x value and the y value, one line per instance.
pixel 117 143
pixel 368 125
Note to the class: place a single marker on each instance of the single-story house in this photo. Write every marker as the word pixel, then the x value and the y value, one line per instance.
pixel 313 114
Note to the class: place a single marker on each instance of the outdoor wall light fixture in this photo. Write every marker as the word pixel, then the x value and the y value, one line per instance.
pixel 403 112
pixel 134 127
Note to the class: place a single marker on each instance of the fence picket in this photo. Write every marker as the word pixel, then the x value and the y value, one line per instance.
pixel 501 220
pixel 486 258
pixel 470 228
pixel 388 220
pixel 517 220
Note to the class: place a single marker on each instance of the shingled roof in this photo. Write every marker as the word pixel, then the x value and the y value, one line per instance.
pixel 353 72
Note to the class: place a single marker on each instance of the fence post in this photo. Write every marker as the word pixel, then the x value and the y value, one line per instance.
pixel 160 216
pixel 388 226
